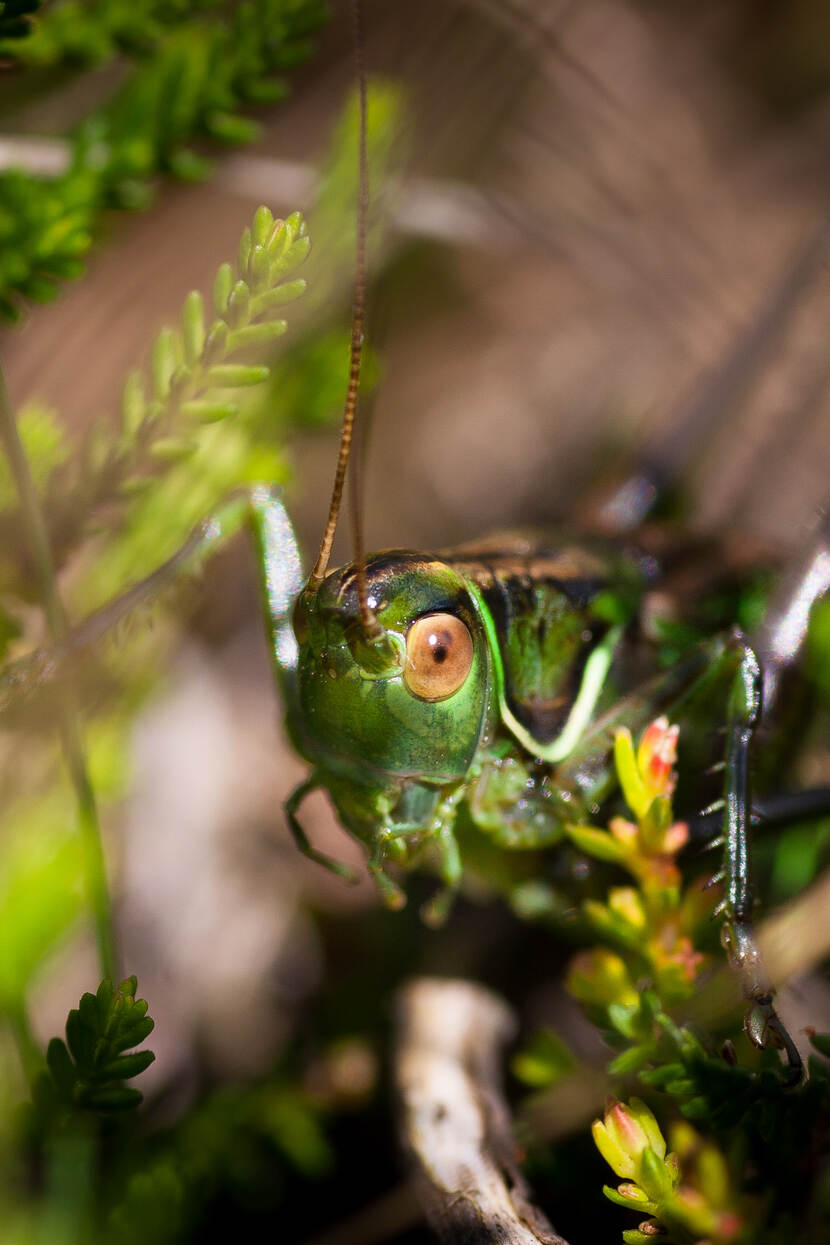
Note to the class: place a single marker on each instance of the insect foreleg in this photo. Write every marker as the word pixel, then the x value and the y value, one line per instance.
pixel 743 711
pixel 439 834
pixel 291 806
pixel 436 910
pixel 393 896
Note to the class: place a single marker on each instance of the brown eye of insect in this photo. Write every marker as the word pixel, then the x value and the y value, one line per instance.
pixel 439 654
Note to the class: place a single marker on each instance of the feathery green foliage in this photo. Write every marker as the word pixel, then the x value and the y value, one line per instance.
pixel 87 34
pixel 172 441
pixel 200 374
pixel 196 371
pixel 89 1069
pixel 191 79
pixel 192 426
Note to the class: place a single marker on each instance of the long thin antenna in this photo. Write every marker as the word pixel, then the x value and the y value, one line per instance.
pixel 368 619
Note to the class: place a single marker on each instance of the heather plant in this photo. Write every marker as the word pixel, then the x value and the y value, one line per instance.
pixel 731 1168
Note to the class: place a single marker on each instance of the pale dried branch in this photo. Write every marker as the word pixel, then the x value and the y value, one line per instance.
pixel 455 1122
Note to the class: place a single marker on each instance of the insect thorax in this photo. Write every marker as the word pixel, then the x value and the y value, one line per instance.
pixel 551 607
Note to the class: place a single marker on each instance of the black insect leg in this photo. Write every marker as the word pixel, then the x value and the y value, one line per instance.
pixel 738 937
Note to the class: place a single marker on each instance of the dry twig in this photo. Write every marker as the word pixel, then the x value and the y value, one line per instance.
pixel 455 1123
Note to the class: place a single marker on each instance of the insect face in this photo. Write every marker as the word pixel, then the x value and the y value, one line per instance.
pixel 423 709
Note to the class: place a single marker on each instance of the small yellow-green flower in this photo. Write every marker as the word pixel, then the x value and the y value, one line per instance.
pixel 626 903
pixel 627 1133
pixel 649 772
pixel 701 1208
pixel 601 977
pixel 657 755
pixel 629 1139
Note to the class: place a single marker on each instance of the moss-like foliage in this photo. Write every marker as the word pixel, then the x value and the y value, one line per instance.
pixel 197 67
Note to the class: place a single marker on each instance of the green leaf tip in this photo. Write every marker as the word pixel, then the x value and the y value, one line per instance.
pixel 88 1069
pixel 193 364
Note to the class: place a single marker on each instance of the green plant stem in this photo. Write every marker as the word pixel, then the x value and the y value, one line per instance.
pixel 90 830
pixel 69 722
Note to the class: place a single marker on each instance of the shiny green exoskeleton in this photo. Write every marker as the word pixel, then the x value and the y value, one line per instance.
pixel 496 664
pixel 498 676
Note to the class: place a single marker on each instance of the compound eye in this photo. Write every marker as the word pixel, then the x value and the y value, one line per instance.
pixel 439 654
